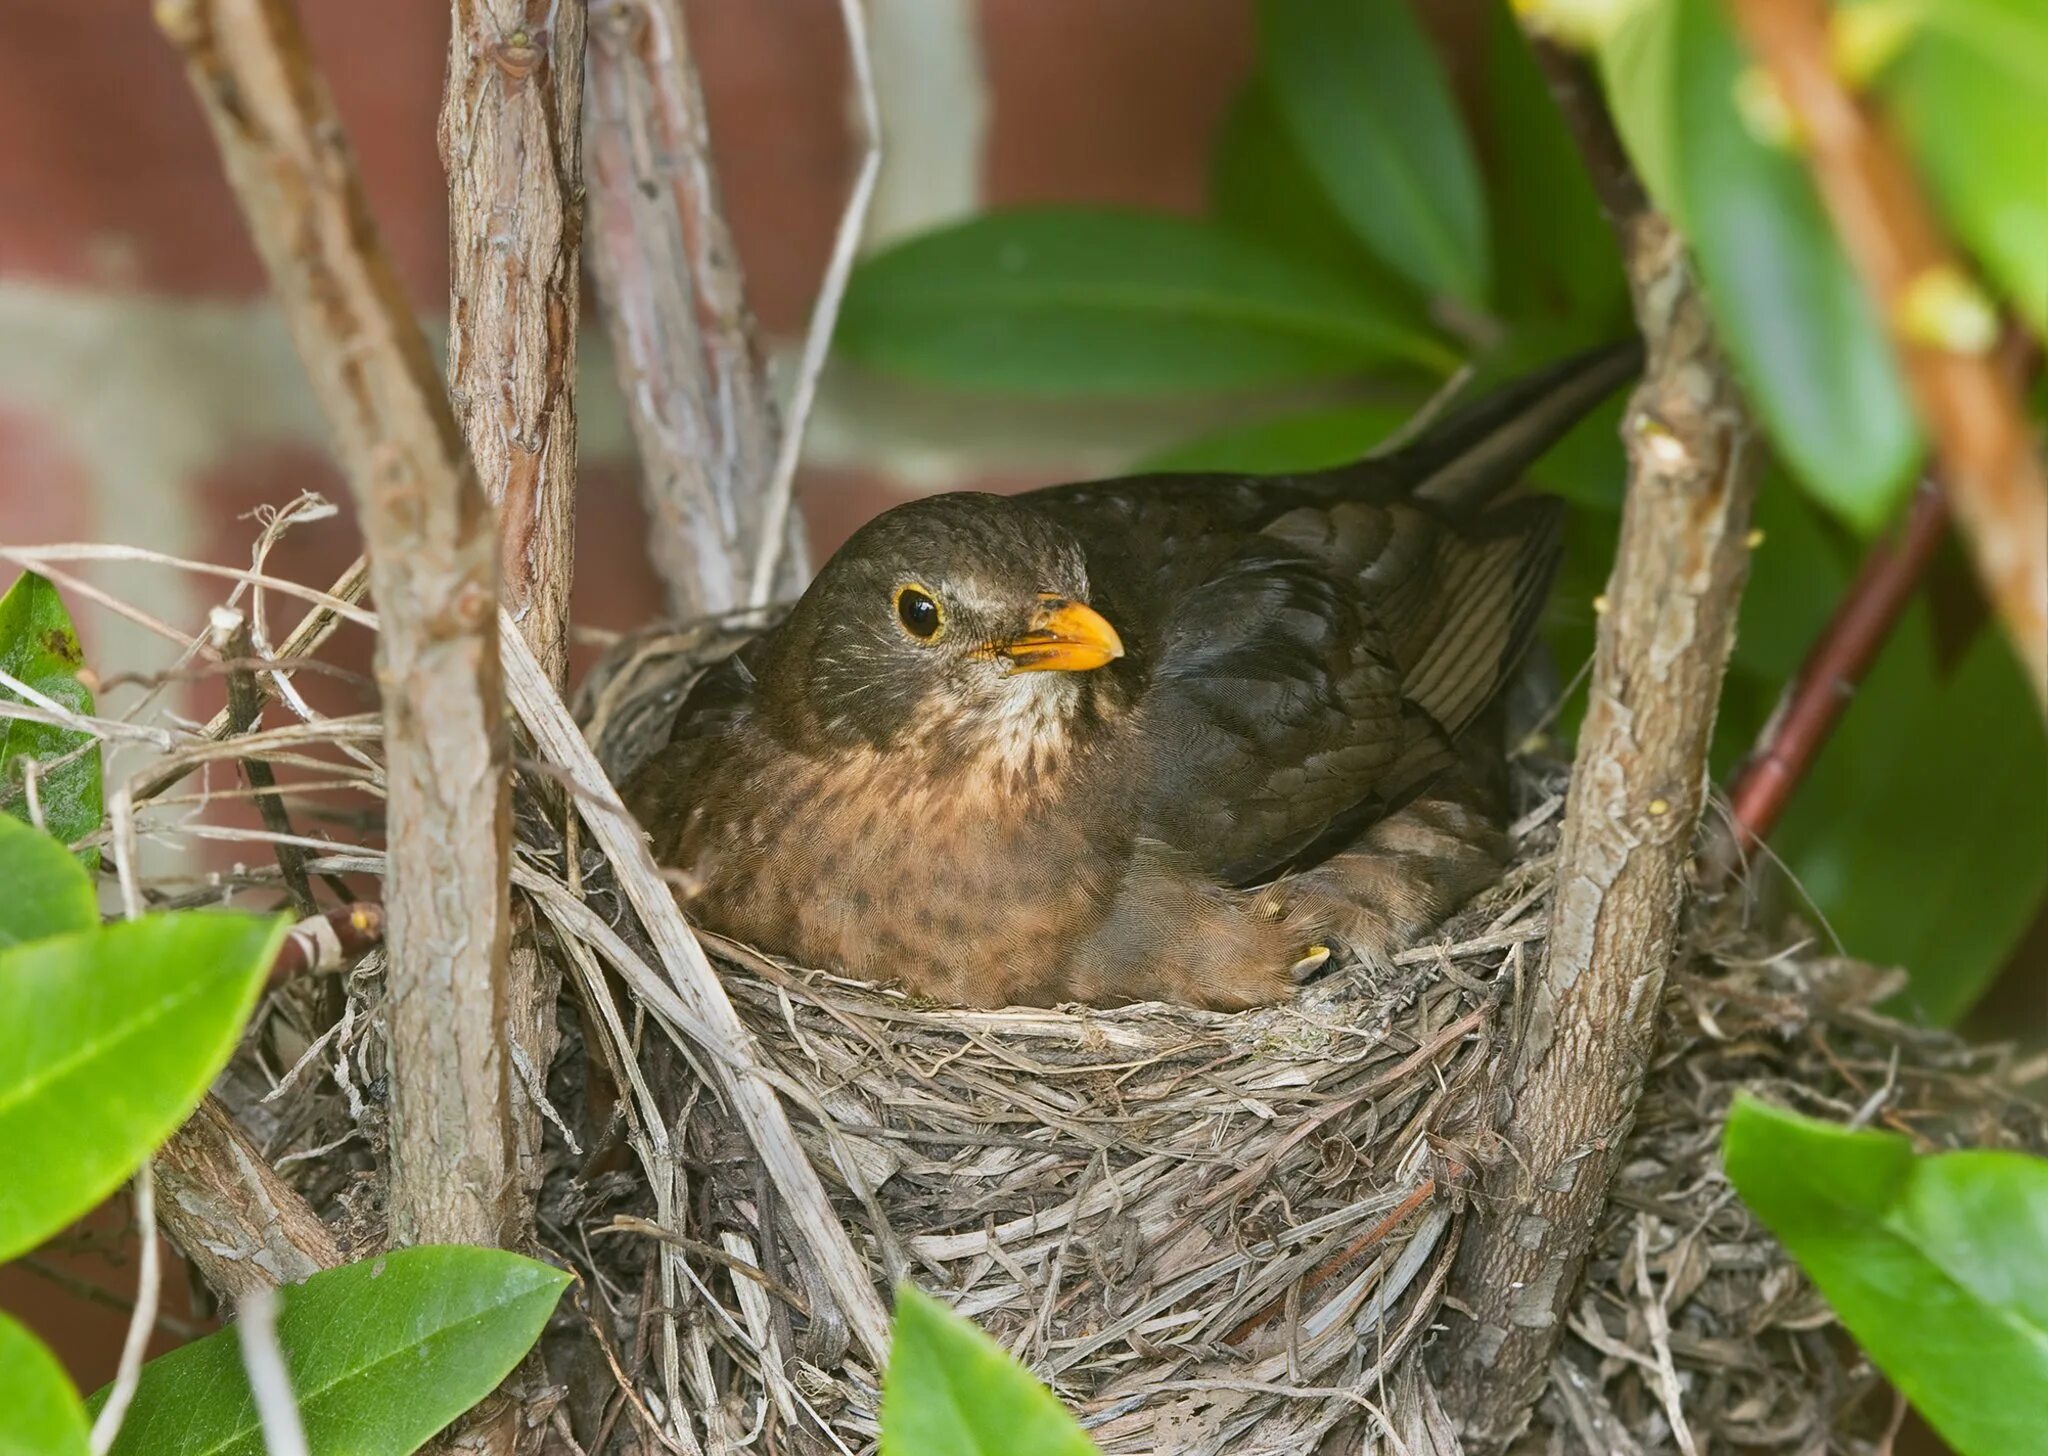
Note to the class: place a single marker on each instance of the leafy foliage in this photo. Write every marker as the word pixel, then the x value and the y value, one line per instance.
pixel 112 1035
pixel 1367 105
pixel 47 892
pixel 1919 836
pixel 40 1414
pixel 1789 308
pixel 952 1391
pixel 39 648
pixel 381 1354
pixel 1939 1265
pixel 1061 301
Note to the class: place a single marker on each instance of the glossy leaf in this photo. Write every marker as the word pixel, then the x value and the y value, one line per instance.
pixel 1561 285
pixel 40 1414
pixel 1970 93
pixel 1367 103
pixel 1063 301
pixel 1938 1265
pixel 1795 318
pixel 47 893
pixel 381 1354
pixel 1260 186
pixel 111 1036
pixel 1314 440
pixel 952 1391
pixel 39 647
pixel 1919 832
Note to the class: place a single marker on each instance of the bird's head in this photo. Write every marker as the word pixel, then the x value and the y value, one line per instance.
pixel 954 617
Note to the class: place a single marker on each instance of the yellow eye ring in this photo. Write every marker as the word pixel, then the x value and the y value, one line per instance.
pixel 918 613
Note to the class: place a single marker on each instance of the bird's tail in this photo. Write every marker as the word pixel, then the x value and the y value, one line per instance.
pixel 1481 449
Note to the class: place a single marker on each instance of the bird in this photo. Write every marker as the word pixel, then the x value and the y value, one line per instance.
pixel 1169 737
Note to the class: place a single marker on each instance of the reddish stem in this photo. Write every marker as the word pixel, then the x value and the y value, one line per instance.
pixel 1833 668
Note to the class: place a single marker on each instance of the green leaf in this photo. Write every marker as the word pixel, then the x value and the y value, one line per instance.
pixel 1260 187
pixel 381 1354
pixel 40 1414
pixel 1795 318
pixel 39 647
pixel 1368 105
pixel 1938 1265
pixel 1560 273
pixel 1970 94
pixel 111 1036
pixel 952 1391
pixel 47 891
pixel 1918 833
pixel 1314 440
pixel 1064 301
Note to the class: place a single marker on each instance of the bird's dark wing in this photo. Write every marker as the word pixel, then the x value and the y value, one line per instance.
pixel 1323 674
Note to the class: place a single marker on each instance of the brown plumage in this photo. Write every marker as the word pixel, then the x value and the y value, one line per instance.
pixel 1169 737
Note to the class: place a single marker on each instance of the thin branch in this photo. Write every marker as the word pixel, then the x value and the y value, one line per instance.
pixel 1984 451
pixel 825 312
pixel 1637 789
pixel 230 1212
pixel 245 705
pixel 1833 669
pixel 433 570
pixel 688 354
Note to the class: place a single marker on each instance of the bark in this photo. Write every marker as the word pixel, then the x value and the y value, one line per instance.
pixel 511 140
pixel 687 351
pixel 231 1213
pixel 1971 406
pixel 1638 784
pixel 434 574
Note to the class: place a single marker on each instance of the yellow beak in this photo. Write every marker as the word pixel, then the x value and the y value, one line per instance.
pixel 1065 636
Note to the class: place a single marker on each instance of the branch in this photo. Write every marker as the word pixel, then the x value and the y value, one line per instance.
pixel 230 1211
pixel 686 348
pixel 1833 669
pixel 1984 455
pixel 433 571
pixel 511 139
pixel 1638 785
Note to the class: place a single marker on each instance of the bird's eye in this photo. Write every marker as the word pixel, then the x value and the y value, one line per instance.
pixel 918 613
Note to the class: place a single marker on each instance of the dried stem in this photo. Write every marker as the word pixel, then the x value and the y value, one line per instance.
pixel 688 354
pixel 245 705
pixel 1984 453
pixel 433 570
pixel 1637 789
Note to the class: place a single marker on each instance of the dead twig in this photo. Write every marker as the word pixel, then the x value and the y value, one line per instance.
pixel 433 569
pixel 1984 451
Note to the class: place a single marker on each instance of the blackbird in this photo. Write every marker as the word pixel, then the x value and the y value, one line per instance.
pixel 1172 737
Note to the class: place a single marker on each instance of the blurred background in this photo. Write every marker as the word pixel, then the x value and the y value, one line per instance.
pixel 148 394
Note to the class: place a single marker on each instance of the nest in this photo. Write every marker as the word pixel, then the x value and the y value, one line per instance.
pixel 1231 1233
pixel 1210 1233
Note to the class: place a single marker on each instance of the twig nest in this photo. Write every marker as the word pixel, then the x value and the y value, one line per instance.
pixel 1231 1233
